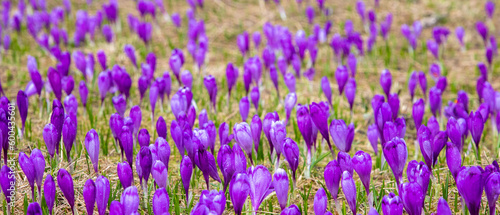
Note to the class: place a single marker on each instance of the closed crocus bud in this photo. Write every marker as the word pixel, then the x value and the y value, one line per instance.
pixel 211 85
pixel 68 83
pixel 244 108
pixel 240 162
pixel 290 82
pixel 350 91
pixel 146 162
pixel 305 126
pixel 290 101
pixel 453 159
pixel 232 74
pixel 373 136
pixel 386 81
pixel 65 183
pixel 102 193
pixel 69 134
pixel 143 137
pixel 278 134
pixel 470 184
pixel 420 173
pixel 489 7
pixel 433 47
pixel 186 169
pixel 342 134
pixel 115 208
pixel 412 84
pixel 392 204
pixel 243 137
pixel 29 171
pixel 256 39
pixel 476 126
pixel 396 153
pixel 256 128
pixel 125 174
pixel 413 197
pixel 161 128
pixel 130 200
pixel 418 112
pixel 345 162
pixel 255 96
pixel 269 119
pixel 310 14
pixel 239 190
pixel 34 209
pixel 38 161
pixel 92 145
pixel 159 172
pixel 50 138
pixel 104 83
pixel 327 90
pixel 291 152
pixel 84 92
pixel 161 201
pixel 89 196
pixel 291 210
pixel 332 175
pixel 130 52
pixel 319 116
pixel 280 184
pixel 126 142
pixel 260 183
pixel 443 208
pixel 225 160
pixel 362 163
pixel 187 78
pixel 320 202
pixel 435 100
pixel 273 73
pixel 492 190
pixel 349 190
pixel 49 192
pixel 393 101
pixel 120 104
pixel 341 74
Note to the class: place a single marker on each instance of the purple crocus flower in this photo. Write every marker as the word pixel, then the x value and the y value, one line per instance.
pixel 280 184
pixel 22 105
pixel 418 112
pixel 260 183
pixel 489 7
pixel 289 79
pixel 443 207
pixel 342 75
pixel 211 85
pixel 231 76
pixel 476 126
pixel 362 164
pixel 320 202
pixel 130 200
pixel 239 190
pixel 92 145
pixel 342 134
pixel 386 81
pixel 65 183
pixel 350 91
pixel 34 209
pixel 49 192
pixel 460 32
pixel 420 173
pixel 310 14
pixel 161 201
pixel 82 89
pixel 89 196
pixel 225 160
pixel 125 174
pixel 244 108
pixel 304 124
pixel 470 184
pixel 290 102
pixel 186 170
pixel 332 175
pixel 29 171
pixel 433 47
pixel 349 190
pixel 278 134
pixel 291 210
pixel 413 197
pixel 482 29
pixel 327 90
pixel 256 128
pixel 373 136
pixel 291 152
pixel 453 159
pixel 395 152
pixel 392 204
pixel 492 189
pixel 68 83
pixel 243 137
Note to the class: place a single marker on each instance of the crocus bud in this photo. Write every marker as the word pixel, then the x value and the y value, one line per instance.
pixel 130 200
pixel 349 190
pixel 291 152
pixel 256 128
pixel 413 197
pixel 130 52
pixel 34 209
pixel 386 81
pixel 373 137
pixel 239 190
pixel 260 183
pixel 92 145
pixel 341 74
pixel 392 204
pixel 280 184
pixel 231 76
pixel 395 153
pixel 50 138
pixel 443 207
pixel 350 91
pixel 146 162
pixel 420 173
pixel 120 104
pixel 255 96
pixel 342 134
pixel 492 190
pixel 125 174
pixel 305 125
pixel 159 172
pixel 327 90
pixel 291 210
pixel 310 14
pixel 89 196
pixel 161 201
pixel 362 164
pixel 49 192
pixel 243 137
pixel 332 175
pixel 68 83
pixel 29 171
pixel 470 184
pixel 65 183
pixel 278 134
pixel 453 159
pixel 115 208
pixel 290 82
pixel 393 101
pixel 412 84
pixel 161 128
pixel 320 202
pixel 476 126
pixel 319 115
pixel 104 83
pixel 435 100
pixel 84 92
pixel 244 108
pixel 163 150
pixel 186 169
pixel 126 141
pixel 55 82
pixel 290 101
pixel 143 137
pixel 38 161
pixel 418 112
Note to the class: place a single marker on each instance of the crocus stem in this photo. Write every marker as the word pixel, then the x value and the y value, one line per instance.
pixel 277 163
pixel 145 190
pixel 33 194
pixel 309 158
pixel 250 156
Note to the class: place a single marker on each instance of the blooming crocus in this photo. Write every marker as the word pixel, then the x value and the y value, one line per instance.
pixel 130 200
pixel 243 137
pixel 420 173
pixel 342 134
pixel 49 192
pixel 125 174
pixel 332 175
pixel 260 184
pixel 342 75
pixel 65 183
pixel 413 197
pixel 280 184
pixel 319 115
pixel 291 152
pixel 386 81
pixel 92 145
pixel 29 171
pixel 186 170
pixel 470 184
pixel 320 202
pixel 89 195
pixel 392 204
pixel 239 190
pixel 362 164
pixel 395 152
pixel 418 112
pixel 349 190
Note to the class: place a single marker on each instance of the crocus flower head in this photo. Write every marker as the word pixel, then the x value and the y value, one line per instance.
pixel 413 197
pixel 130 200
pixel 89 195
pixel 65 182
pixel 239 190
pixel 280 184
pixel 342 134
pixel 49 192
pixel 92 145
pixel 349 190
pixel 392 204
pixel 362 163
pixel 125 174
pixel 260 183
pixel 320 202
pixel 470 184
pixel 395 152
